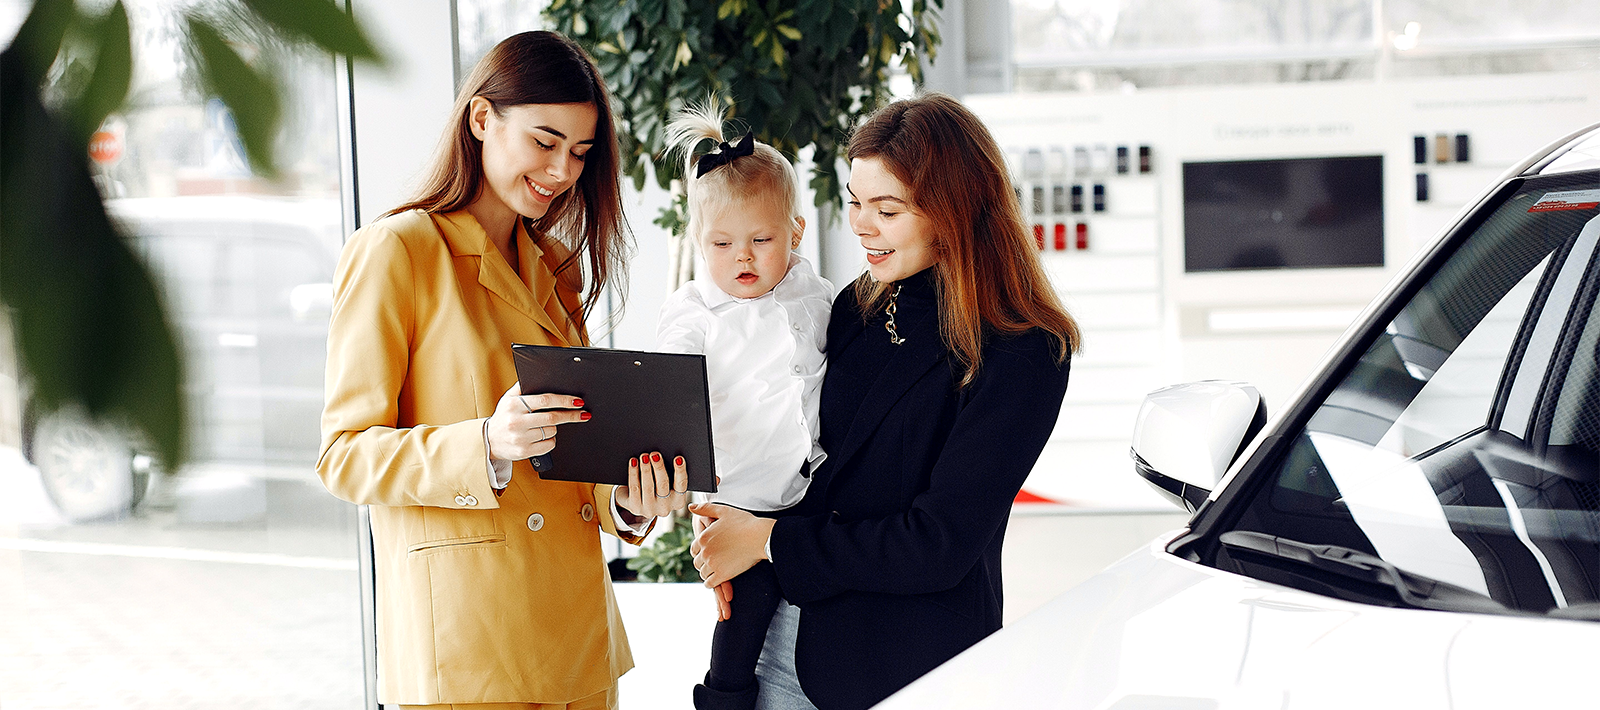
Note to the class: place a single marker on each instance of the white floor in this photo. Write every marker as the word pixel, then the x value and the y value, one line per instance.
pixel 168 610
pixel 669 625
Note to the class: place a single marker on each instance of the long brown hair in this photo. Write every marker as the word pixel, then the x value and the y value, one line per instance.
pixel 988 278
pixel 541 68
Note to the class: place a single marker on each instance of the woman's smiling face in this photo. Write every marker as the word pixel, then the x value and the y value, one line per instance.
pixel 897 236
pixel 532 152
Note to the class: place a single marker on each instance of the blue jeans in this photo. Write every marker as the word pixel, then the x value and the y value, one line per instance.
pixel 779 684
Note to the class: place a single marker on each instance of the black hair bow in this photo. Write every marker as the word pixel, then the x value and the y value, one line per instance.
pixel 725 154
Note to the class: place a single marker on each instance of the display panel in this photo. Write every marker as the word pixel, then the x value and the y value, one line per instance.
pixel 1283 214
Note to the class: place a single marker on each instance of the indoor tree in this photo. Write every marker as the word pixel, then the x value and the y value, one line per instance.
pixel 799 73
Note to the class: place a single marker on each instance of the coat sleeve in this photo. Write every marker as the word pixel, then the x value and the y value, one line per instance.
pixel 366 457
pixel 997 437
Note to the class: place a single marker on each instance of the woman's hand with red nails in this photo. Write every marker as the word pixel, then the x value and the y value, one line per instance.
pixel 524 425
pixel 649 492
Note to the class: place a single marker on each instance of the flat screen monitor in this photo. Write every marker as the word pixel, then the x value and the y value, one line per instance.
pixel 1297 213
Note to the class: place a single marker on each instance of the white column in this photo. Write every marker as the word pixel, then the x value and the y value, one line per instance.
pixel 399 112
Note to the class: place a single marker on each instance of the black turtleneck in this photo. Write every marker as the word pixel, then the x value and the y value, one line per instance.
pixel 853 367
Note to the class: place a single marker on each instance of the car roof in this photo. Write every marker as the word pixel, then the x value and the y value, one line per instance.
pixel 1579 150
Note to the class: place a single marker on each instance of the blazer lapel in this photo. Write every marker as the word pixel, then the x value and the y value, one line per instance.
pixel 912 359
pixel 467 238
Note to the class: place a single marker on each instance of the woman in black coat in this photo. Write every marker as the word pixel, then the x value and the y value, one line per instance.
pixel 948 361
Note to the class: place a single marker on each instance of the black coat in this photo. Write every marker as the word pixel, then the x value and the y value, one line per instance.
pixel 893 556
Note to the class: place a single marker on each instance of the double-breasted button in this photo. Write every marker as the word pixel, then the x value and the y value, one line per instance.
pixel 587 512
pixel 461 500
pixel 797 369
pixel 796 326
pixel 472 500
pixel 535 522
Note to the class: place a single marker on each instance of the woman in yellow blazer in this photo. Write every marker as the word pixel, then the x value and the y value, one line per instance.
pixel 491 585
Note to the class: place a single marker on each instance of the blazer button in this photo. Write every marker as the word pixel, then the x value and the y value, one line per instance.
pixel 535 522
pixel 472 500
pixel 587 513
pixel 461 500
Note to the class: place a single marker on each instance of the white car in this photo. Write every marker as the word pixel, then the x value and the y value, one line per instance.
pixel 1419 528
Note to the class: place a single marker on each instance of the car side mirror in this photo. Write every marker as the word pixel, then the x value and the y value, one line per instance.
pixel 310 302
pixel 1186 436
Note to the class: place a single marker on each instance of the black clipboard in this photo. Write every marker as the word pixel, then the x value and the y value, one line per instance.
pixel 640 402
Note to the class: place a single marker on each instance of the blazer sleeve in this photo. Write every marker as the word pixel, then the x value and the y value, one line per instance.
pixel 366 457
pixel 997 437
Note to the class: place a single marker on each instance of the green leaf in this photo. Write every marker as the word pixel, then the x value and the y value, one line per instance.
pixel 789 32
pixel 113 71
pixel 38 40
pixel 75 289
pixel 251 95
pixel 318 21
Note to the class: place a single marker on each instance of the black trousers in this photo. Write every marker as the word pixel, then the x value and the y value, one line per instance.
pixel 736 642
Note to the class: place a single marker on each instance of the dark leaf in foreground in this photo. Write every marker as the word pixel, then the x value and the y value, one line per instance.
pixel 251 95
pixel 113 71
pixel 87 319
pixel 318 21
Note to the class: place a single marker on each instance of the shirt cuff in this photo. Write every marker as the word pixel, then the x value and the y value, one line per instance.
pixel 499 469
pixel 622 524
pixel 768 547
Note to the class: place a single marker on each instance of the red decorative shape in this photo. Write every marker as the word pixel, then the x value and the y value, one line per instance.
pixel 1024 496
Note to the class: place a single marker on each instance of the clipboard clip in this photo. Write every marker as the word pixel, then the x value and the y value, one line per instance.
pixel 543 463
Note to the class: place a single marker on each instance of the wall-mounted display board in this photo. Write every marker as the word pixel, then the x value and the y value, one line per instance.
pixel 1421 150
pixel 1283 213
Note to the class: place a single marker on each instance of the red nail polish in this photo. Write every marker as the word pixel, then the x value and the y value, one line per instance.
pixel 633 463
pixel 584 416
pixel 678 461
pixel 655 457
pixel 577 402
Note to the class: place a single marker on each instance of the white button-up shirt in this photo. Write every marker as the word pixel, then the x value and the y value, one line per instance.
pixel 765 358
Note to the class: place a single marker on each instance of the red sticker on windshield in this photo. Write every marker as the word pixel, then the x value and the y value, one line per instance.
pixel 1570 200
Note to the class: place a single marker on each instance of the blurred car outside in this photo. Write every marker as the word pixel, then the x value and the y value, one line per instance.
pixel 247 280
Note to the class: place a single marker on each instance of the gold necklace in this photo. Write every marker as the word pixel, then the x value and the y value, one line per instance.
pixel 894 337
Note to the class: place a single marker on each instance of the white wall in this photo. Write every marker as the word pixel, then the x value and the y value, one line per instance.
pixel 400 111
pixel 1130 287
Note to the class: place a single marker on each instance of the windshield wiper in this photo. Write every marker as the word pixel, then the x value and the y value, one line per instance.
pixel 1414 590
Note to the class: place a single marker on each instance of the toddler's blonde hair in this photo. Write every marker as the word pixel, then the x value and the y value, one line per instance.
pixel 763 171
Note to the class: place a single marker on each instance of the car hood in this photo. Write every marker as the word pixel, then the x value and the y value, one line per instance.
pixel 1157 631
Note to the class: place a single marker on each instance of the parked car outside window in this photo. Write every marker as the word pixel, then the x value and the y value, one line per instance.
pixel 248 282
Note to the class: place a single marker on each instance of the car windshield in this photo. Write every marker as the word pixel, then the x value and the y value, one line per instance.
pixel 1464 444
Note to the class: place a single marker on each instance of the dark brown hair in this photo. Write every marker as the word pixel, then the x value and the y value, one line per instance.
pixel 988 278
pixel 541 68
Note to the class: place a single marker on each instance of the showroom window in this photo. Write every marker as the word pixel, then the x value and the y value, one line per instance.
pixel 232 582
pixel 1462 446
pixel 1089 45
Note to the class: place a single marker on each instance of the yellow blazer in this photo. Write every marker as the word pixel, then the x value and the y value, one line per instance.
pixel 480 598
